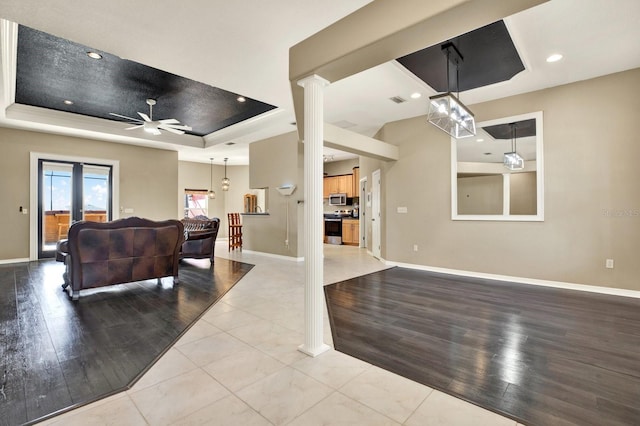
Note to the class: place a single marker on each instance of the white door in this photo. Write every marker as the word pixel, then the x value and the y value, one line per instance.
pixel 363 217
pixel 375 214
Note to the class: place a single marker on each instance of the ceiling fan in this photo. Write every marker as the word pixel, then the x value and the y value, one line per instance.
pixel 154 127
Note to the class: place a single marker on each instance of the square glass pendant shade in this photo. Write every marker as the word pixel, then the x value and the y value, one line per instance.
pixel 449 114
pixel 513 161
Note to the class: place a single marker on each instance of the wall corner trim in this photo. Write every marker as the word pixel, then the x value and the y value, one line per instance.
pixel 521 280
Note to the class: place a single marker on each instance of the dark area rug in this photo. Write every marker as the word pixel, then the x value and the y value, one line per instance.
pixel 539 355
pixel 56 354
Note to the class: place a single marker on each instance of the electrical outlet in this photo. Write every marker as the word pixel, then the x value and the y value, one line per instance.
pixel 415 247
pixel 402 210
pixel 609 264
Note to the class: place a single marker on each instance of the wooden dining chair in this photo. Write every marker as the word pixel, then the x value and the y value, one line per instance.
pixel 235 231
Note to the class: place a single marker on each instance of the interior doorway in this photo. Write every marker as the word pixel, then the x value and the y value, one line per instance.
pixel 362 213
pixel 375 214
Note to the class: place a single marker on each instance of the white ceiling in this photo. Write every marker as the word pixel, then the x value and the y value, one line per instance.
pixel 243 47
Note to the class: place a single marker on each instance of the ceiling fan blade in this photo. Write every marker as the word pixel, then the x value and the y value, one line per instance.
pixel 144 116
pixel 179 127
pixel 170 129
pixel 169 121
pixel 135 127
pixel 125 117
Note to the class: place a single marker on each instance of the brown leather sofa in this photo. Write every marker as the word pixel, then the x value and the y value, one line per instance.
pixel 121 251
pixel 200 235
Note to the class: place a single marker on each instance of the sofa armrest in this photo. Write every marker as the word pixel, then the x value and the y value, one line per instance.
pixel 62 250
pixel 200 235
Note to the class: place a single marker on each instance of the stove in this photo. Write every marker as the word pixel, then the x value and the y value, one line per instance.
pixel 333 226
pixel 337 214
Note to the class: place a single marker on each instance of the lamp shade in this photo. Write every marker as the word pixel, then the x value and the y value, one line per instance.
pixel 513 161
pixel 449 114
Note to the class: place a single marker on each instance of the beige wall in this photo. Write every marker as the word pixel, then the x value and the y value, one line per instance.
pixel 342 167
pixel 592 203
pixel 198 176
pixel 193 175
pixel 522 197
pixel 153 170
pixel 274 162
pixel 480 194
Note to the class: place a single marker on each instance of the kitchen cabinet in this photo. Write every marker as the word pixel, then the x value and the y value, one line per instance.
pixel 342 184
pixel 351 232
pixel 356 182
pixel 329 186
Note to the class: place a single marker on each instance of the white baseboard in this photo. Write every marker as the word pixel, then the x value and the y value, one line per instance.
pixel 19 260
pixel 521 280
pixel 275 256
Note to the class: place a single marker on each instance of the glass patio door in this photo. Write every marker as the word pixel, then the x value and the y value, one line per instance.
pixel 68 192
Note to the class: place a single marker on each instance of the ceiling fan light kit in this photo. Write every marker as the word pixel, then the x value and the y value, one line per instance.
pixel 149 125
pixel 446 112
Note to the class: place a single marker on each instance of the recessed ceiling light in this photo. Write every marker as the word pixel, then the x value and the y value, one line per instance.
pixel 68 102
pixel 487 153
pixel 241 99
pixel 416 95
pixel 480 140
pixel 554 58
pixel 230 143
pixel 94 55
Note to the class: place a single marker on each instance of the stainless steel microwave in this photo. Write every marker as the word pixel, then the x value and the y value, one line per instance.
pixel 337 199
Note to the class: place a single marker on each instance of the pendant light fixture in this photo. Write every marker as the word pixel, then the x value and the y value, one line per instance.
pixel 446 112
pixel 212 193
pixel 513 160
pixel 225 180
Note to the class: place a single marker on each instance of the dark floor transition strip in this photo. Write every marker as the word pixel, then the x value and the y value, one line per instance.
pixel 539 355
pixel 56 354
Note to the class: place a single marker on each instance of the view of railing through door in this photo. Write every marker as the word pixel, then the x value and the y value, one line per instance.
pixel 68 192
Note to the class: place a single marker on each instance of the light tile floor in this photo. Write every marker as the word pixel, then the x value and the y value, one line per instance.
pixel 239 365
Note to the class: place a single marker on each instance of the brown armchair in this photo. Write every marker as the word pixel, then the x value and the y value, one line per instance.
pixel 200 235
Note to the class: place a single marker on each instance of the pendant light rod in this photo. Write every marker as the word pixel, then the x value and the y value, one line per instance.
pixel 212 193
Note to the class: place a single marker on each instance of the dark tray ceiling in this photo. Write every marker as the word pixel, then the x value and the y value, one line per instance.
pixel 51 69
pixel 524 128
pixel 489 57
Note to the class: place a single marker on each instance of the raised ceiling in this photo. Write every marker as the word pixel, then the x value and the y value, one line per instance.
pixel 488 56
pixel 243 48
pixel 51 70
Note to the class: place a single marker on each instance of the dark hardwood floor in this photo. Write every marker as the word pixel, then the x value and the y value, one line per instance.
pixel 59 354
pixel 542 356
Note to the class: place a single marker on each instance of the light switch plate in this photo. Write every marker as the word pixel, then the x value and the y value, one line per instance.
pixel 402 210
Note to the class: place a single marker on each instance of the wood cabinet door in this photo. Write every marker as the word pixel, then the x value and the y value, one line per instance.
pixel 355 232
pixel 347 232
pixel 356 182
pixel 348 185
pixel 326 187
